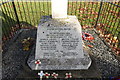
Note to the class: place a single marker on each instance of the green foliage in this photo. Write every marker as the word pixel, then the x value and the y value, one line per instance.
pixel 87 13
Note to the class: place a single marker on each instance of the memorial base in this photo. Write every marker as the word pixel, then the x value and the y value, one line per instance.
pixel 68 52
pixel 85 63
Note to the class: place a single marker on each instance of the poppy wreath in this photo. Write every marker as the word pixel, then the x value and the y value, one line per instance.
pixel 87 36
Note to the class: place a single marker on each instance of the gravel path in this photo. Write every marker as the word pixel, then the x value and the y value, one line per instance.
pixel 108 64
pixel 14 57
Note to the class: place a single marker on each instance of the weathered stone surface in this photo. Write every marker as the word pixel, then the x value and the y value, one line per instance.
pixel 59 46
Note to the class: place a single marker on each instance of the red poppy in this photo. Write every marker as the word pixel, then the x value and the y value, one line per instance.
pixel 87 36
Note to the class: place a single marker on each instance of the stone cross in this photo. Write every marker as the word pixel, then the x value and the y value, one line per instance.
pixel 59 8
pixel 59 43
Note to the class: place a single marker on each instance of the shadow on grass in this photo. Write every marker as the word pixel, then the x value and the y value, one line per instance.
pixel 10 25
pixel 7 23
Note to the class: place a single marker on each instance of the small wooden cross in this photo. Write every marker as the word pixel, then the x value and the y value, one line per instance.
pixel 37 62
pixel 68 75
pixel 41 74
pixel 47 75
pixel 55 75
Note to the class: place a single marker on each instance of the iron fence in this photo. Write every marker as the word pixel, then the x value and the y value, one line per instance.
pixel 103 16
pixel 108 24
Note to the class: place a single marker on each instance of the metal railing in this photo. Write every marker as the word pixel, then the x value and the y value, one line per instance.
pixel 108 24
pixel 103 16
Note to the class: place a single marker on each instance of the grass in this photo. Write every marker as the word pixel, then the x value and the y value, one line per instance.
pixel 87 13
pixel 111 17
pixel 31 12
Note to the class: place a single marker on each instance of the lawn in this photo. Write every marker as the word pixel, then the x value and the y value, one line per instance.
pixel 87 13
pixel 31 12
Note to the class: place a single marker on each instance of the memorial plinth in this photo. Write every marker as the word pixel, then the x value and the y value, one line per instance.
pixel 59 46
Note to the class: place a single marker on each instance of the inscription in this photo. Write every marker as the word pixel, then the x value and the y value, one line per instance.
pixel 59 39
pixel 47 44
pixel 54 37
pixel 70 44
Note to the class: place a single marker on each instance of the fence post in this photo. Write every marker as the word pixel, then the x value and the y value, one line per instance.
pixel 16 14
pixel 119 40
pixel 98 14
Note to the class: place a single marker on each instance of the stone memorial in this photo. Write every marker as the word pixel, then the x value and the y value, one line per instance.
pixel 59 44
